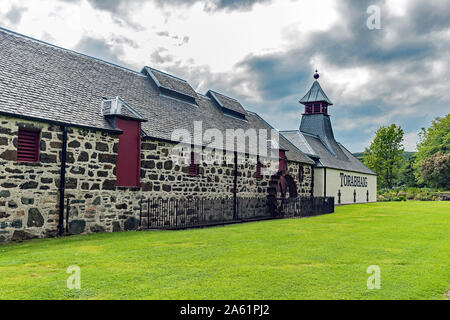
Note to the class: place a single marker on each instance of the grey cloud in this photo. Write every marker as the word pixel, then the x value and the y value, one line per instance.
pixel 120 6
pixel 161 57
pixel 404 81
pixel 163 34
pixel 98 48
pixel 14 15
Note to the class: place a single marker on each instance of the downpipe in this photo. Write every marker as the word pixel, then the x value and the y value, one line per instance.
pixel 62 183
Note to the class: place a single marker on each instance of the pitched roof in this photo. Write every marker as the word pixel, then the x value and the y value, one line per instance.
pixel 307 143
pixel 292 151
pixel 316 94
pixel 227 103
pixel 116 106
pixel 171 83
pixel 48 83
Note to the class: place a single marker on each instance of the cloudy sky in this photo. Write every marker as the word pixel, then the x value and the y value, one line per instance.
pixel 264 52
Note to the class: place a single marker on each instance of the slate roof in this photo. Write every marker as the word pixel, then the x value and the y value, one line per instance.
pixel 314 146
pixel 316 138
pixel 49 83
pixel 116 106
pixel 226 102
pixel 170 82
pixel 316 94
pixel 292 152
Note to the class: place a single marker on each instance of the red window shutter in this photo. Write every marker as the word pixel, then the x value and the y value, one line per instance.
pixel 193 167
pixel 300 174
pixel 258 170
pixel 128 170
pixel 28 145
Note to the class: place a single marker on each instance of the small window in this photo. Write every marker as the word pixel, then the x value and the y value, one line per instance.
pixel 317 108
pixel 28 145
pixel 258 170
pixel 194 167
pixel 300 174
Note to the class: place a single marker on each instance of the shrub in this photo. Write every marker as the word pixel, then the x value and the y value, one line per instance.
pixel 404 194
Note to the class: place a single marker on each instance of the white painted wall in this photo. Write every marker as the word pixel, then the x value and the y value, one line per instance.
pixel 318 182
pixel 334 184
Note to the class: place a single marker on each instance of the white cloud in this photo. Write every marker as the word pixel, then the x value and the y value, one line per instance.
pixel 410 141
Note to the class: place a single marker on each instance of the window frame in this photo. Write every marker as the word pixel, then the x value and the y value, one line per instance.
pixel 259 169
pixel 194 168
pixel 301 173
pixel 21 148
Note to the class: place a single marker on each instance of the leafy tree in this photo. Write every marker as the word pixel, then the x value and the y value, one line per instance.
pixel 436 170
pixel 384 154
pixel 406 177
pixel 431 141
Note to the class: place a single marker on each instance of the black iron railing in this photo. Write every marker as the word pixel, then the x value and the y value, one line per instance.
pixel 186 213
pixel 157 213
pixel 304 207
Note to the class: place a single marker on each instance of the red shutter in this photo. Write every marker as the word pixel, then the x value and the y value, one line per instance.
pixel 28 145
pixel 129 155
pixel 193 167
pixel 300 174
pixel 258 170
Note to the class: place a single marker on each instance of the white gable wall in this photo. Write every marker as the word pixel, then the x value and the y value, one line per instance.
pixel 346 182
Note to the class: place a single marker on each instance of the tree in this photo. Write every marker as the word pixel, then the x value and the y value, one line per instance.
pixel 431 141
pixel 406 177
pixel 384 154
pixel 436 170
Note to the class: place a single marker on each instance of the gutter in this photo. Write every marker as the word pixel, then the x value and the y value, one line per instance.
pixel 58 123
pixel 62 183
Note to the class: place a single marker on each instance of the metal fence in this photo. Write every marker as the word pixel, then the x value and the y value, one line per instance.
pixel 199 212
pixel 305 207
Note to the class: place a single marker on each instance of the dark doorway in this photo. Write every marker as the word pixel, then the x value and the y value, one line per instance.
pixel 287 187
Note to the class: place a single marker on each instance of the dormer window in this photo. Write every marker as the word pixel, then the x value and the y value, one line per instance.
pixel 171 86
pixel 229 106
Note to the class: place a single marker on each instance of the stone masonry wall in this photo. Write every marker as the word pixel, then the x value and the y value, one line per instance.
pixel 304 187
pixel 29 195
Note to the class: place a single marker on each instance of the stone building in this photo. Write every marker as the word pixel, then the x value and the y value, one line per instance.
pixel 99 137
pixel 337 173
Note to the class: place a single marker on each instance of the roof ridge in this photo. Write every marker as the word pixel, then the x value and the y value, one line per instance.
pixel 17 34
pixel 286 139
pixel 214 91
pixel 167 74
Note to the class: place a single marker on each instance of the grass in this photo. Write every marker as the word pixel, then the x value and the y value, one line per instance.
pixel 323 257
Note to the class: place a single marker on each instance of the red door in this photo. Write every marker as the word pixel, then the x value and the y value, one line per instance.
pixel 129 155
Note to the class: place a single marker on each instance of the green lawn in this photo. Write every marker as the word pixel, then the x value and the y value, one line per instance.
pixel 323 257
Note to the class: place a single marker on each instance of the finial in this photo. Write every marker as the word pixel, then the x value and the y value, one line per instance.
pixel 316 75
